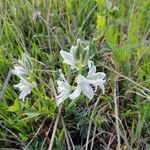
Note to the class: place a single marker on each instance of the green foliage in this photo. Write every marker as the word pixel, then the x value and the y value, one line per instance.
pixel 118 37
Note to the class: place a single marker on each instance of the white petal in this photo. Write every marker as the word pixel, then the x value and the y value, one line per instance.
pixel 20 85
pixel 87 90
pixel 103 89
pixel 92 68
pixel 101 85
pixel 76 93
pixel 68 58
pixel 96 82
pixel 73 51
pixel 59 101
pixel 98 75
pixel 80 78
pixel 25 87
pixel 24 93
pixel 20 72
pixel 62 76
pixel 101 75
pixel 63 89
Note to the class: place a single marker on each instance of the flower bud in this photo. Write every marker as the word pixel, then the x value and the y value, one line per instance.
pixel 80 48
pixel 36 16
pixel 85 56
pixel 27 62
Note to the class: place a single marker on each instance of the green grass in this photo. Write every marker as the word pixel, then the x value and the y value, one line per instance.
pixel 120 48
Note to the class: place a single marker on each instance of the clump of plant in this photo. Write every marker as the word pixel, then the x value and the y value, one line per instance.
pixel 79 81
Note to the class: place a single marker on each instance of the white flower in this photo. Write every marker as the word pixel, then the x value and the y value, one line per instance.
pixel 96 79
pixel 25 88
pixel 23 69
pixel 20 72
pixel 69 57
pixel 64 89
pixel 77 57
pixel 84 83
pixel 82 86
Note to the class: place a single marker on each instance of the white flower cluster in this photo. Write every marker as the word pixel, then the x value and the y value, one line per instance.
pixel 85 83
pixel 78 59
pixel 23 70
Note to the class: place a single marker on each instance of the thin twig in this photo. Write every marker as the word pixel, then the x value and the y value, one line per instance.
pixel 117 110
pixel 54 130
pixel 38 61
pixel 35 135
pixel 14 135
pixel 5 84
pixel 90 123
pixel 73 148
pixel 66 135
pixel 82 148
pixel 48 26
pixel 111 139
pixel 47 133
pixel 94 133
pixel 10 141
pixel 69 136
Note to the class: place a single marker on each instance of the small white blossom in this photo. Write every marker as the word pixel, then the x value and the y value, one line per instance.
pixel 82 86
pixel 69 57
pixel 23 68
pixel 64 89
pixel 77 57
pixel 20 72
pixel 84 83
pixel 96 78
pixel 25 88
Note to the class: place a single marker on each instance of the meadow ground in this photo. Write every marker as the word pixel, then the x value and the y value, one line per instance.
pixel 118 35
